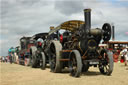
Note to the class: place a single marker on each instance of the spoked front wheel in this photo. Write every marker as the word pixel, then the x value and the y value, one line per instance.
pixel 75 64
pixel 42 61
pixel 106 64
pixel 85 67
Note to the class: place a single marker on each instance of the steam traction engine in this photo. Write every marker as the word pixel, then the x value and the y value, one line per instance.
pixel 38 57
pixel 78 47
pixel 39 53
pixel 24 53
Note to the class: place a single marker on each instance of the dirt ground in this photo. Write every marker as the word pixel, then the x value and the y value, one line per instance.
pixel 13 74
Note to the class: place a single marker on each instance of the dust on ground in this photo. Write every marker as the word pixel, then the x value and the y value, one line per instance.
pixel 14 74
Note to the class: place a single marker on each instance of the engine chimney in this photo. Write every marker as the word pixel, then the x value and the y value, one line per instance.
pixel 87 14
pixel 113 32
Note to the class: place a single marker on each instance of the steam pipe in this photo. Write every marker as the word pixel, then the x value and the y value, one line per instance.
pixel 113 33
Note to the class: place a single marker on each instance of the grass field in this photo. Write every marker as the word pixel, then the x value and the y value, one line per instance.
pixel 14 74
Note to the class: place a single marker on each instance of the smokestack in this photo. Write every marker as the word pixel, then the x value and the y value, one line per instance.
pixel 113 32
pixel 87 14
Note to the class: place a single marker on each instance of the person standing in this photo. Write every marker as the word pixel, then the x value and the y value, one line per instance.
pixel 10 58
pixel 126 56
pixel 121 55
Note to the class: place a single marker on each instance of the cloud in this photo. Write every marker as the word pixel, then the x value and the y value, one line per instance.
pixel 21 18
pixel 69 7
pixel 28 17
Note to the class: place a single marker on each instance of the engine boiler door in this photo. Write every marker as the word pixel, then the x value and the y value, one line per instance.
pixel 92 44
pixel 107 31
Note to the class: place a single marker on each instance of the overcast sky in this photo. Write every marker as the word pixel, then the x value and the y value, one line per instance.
pixel 28 17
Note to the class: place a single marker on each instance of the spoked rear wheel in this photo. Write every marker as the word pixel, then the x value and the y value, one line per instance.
pixel 106 65
pixel 55 63
pixel 32 57
pixel 75 64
